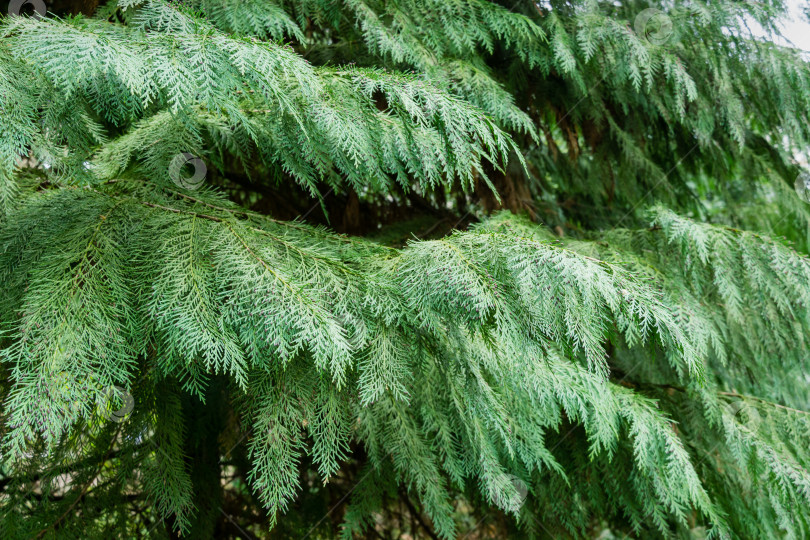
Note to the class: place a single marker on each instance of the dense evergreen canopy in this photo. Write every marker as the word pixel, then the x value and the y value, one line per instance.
pixel 414 268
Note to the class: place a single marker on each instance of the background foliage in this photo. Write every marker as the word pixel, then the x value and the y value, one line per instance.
pixel 449 269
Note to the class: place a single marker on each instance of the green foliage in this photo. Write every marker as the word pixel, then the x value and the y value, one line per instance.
pixel 631 349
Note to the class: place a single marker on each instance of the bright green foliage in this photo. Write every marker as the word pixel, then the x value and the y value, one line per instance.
pixel 629 353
